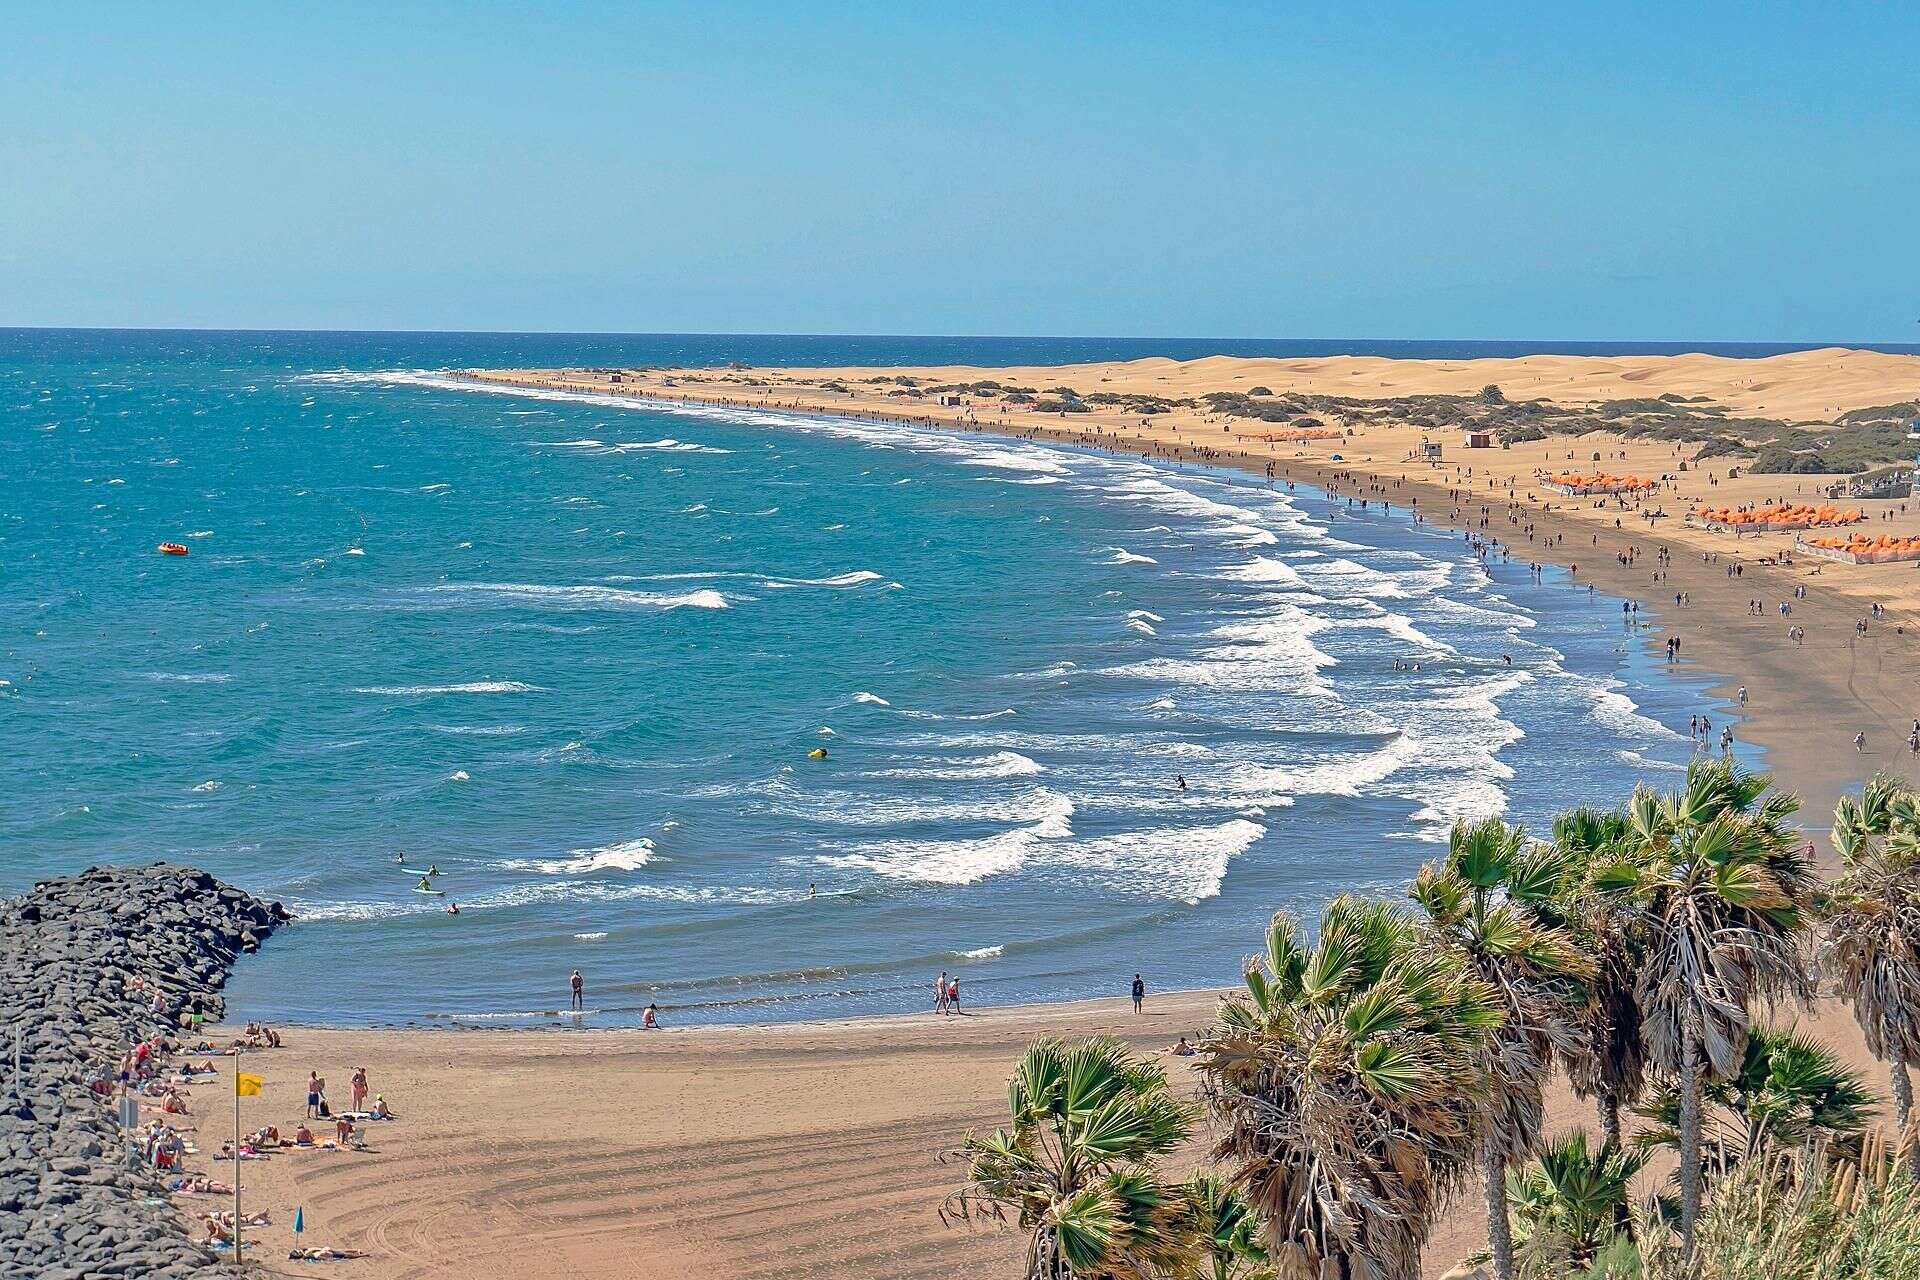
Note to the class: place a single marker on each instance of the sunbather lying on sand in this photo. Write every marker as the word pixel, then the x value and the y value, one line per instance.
pixel 200 1187
pixel 220 1226
pixel 323 1254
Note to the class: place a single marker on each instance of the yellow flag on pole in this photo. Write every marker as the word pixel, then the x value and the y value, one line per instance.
pixel 246 1086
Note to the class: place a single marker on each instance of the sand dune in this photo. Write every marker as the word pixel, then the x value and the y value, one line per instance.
pixel 1804 385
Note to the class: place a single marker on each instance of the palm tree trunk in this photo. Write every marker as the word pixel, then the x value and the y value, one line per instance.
pixel 1608 1103
pixel 1499 1231
pixel 1903 1100
pixel 1043 1256
pixel 1690 1086
pixel 1902 1086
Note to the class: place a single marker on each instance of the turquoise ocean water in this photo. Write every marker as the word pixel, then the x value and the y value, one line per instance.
pixel 576 654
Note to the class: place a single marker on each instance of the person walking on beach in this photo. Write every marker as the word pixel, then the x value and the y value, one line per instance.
pixel 940 992
pixel 953 994
pixel 577 991
pixel 1139 993
pixel 359 1088
pixel 1859 742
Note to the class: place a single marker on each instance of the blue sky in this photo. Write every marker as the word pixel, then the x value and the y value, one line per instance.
pixel 1419 170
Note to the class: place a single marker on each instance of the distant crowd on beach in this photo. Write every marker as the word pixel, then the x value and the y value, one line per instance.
pixel 156 1098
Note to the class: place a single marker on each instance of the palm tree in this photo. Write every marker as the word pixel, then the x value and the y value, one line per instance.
pixel 1348 1081
pixel 1573 1199
pixel 1612 1072
pixel 1873 925
pixel 1715 884
pixel 1477 902
pixel 1790 1089
pixel 1078 1169
pixel 1229 1231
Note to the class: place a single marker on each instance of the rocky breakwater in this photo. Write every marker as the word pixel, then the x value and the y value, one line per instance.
pixel 91 965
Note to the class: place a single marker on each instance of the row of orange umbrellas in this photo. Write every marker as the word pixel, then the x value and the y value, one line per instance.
pixel 1782 515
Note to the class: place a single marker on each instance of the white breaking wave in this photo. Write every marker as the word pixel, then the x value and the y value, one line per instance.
pixel 669 445
pixel 171 677
pixel 1120 555
pixel 912 714
pixel 628 855
pixel 1144 615
pixel 860 809
pixel 630 446
pixel 1016 460
pixel 981 953
pixel 1346 775
pixel 1274 653
pixel 583 596
pixel 569 891
pixel 430 690
pixel 205 787
pixel 1264 569
pixel 589 937
pixel 856 578
pixel 1620 713
pixel 1001 764
pixel 1141 626
pixel 875 699
pixel 1639 761
pixel 960 861
pixel 838 581
pixel 1185 864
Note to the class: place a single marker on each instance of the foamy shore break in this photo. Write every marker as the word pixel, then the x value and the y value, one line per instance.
pixel 90 966
pixel 1361 427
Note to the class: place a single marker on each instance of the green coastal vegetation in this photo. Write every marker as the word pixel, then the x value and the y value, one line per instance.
pixel 1858 440
pixel 1366 1074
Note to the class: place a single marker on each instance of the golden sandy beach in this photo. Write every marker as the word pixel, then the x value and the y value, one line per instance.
pixel 786 1151
pixel 811 1149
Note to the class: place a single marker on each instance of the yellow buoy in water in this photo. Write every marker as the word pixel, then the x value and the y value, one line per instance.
pixel 818 753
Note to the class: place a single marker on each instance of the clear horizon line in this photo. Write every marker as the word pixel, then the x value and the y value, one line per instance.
pixel 1806 344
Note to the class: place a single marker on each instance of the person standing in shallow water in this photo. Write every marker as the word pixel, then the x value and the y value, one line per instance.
pixel 1139 993
pixel 577 991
